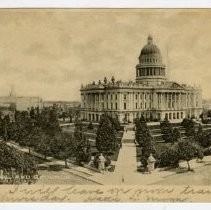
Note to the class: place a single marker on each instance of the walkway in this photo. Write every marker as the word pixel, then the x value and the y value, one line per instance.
pixel 126 165
pixel 126 168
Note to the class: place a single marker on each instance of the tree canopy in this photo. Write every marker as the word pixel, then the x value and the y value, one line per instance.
pixel 189 126
pixel 21 162
pixel 106 140
pixel 166 130
pixel 144 139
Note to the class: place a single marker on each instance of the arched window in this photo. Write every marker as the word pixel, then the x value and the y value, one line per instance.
pixel 170 116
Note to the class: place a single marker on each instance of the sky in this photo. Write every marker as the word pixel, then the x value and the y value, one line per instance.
pixel 51 52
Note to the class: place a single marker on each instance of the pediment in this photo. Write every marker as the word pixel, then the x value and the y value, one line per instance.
pixel 176 86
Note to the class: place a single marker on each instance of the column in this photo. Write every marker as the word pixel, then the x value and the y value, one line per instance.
pixel 175 101
pixel 179 102
pixel 100 101
pixel 167 99
pixel 158 100
pixel 120 101
pixel 154 100
pixel 186 101
pixel 162 100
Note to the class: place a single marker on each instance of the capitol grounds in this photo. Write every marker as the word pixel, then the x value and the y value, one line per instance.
pixel 126 164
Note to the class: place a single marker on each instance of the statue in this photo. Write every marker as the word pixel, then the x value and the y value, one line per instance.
pixel 101 163
pixel 113 80
pixel 105 80
pixel 151 163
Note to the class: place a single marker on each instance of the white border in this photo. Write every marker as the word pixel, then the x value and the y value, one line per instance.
pixel 106 206
pixel 105 3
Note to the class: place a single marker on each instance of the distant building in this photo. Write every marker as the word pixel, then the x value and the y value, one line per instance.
pixel 7 110
pixel 20 103
pixel 62 105
pixel 151 94
pixel 206 104
pixel 24 103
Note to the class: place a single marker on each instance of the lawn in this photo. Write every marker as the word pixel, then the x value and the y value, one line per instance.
pixel 61 177
pixel 39 160
pixel 200 176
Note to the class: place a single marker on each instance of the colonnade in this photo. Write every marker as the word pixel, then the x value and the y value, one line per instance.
pixel 171 103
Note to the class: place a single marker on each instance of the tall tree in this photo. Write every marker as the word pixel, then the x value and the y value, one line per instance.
pixel 21 162
pixel 6 122
pixel 115 122
pixel 106 140
pixel 63 146
pixel 187 150
pixel 188 124
pixel 81 144
pixel 43 145
pixel 199 134
pixel 166 130
pixel 144 139
pixel 175 135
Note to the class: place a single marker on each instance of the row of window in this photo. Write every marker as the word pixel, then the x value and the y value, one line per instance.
pixel 115 106
pixel 151 60
pixel 142 106
pixel 174 115
pixel 146 96
pixel 125 96
pixel 151 72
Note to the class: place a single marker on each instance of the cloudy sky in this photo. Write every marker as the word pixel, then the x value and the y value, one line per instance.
pixel 50 53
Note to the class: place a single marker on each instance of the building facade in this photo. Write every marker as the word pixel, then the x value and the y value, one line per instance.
pixel 21 103
pixel 151 94
pixel 64 105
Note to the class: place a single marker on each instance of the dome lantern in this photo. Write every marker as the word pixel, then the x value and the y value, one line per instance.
pixel 150 39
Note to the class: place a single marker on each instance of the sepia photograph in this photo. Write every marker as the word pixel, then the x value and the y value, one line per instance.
pixel 105 97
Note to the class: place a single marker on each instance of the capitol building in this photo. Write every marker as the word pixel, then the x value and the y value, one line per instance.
pixel 151 94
